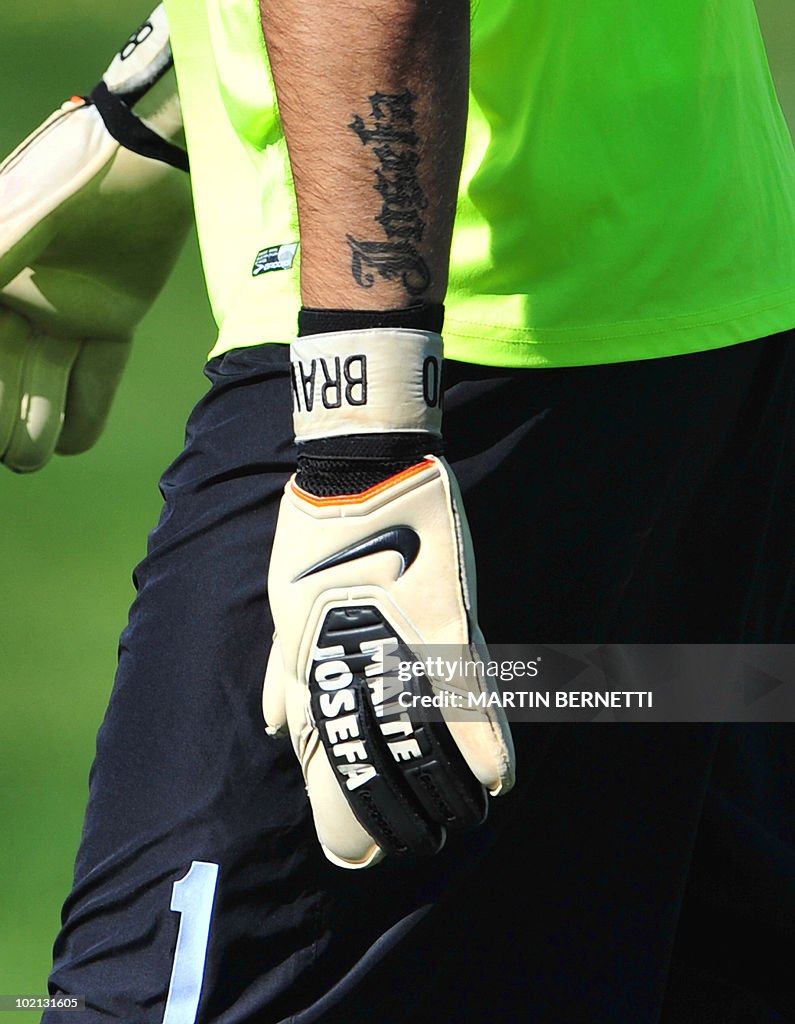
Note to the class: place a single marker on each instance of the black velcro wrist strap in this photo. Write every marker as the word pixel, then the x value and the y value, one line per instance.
pixel 353 464
pixel 129 131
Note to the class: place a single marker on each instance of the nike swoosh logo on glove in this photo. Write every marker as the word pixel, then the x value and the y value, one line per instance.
pixel 401 539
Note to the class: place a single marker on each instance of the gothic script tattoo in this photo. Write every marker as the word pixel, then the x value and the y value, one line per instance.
pixel 389 130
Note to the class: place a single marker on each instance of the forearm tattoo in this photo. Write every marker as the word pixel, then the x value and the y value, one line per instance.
pixel 389 130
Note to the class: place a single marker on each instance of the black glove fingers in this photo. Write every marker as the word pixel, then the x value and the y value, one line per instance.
pixel 444 783
pixel 403 776
pixel 386 801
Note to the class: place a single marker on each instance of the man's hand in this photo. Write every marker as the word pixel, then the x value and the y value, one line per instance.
pixel 94 209
pixel 372 561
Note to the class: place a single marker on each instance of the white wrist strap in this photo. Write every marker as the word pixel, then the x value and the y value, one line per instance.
pixel 375 381
pixel 143 60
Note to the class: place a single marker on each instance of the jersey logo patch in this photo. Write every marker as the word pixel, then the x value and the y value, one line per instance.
pixel 276 257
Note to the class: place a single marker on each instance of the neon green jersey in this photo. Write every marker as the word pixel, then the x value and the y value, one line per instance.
pixel 628 188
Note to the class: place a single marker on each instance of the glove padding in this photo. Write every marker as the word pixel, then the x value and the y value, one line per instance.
pixel 354 582
pixel 89 232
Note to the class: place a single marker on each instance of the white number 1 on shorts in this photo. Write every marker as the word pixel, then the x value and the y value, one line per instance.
pixel 192 897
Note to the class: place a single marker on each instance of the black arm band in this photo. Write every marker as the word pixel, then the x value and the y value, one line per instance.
pixel 422 316
pixel 130 132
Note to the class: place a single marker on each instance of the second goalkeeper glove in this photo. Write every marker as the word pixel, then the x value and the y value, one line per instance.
pixel 94 208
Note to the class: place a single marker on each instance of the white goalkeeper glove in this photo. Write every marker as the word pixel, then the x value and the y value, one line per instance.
pixel 94 209
pixel 372 558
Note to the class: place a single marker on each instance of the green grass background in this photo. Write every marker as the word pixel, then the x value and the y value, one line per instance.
pixel 70 535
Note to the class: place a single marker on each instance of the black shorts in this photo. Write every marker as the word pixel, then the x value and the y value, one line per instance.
pixel 648 501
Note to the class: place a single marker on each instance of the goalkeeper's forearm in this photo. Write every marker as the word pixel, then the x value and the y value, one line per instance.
pixel 373 98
